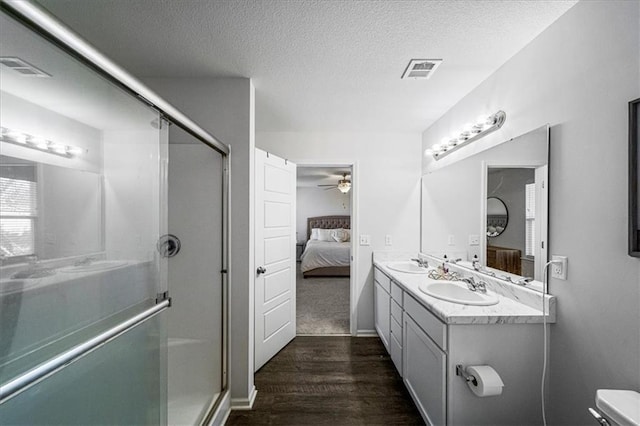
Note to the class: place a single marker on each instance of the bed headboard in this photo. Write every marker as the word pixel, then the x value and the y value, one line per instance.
pixel 328 222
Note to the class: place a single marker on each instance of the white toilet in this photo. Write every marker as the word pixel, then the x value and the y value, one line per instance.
pixel 617 407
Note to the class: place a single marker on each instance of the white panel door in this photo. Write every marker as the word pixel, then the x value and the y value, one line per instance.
pixel 275 279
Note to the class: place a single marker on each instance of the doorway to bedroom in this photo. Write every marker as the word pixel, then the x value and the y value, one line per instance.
pixel 323 250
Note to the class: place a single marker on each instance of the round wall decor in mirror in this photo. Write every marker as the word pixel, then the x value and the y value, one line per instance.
pixel 497 217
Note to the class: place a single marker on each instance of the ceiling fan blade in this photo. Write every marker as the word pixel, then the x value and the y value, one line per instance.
pixel 333 184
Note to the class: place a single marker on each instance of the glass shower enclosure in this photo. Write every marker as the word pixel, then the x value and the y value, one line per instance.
pixel 87 334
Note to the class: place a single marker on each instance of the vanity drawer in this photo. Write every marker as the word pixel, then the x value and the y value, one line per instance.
pixel 396 330
pixel 436 329
pixel 396 293
pixel 396 311
pixel 382 279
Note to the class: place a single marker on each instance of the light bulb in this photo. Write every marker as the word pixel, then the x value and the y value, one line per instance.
pixel 57 148
pixel 17 136
pixel 74 150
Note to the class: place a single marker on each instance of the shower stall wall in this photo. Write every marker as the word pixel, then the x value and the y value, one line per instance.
pixel 89 188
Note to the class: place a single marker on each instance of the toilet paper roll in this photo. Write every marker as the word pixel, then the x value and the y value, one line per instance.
pixel 488 382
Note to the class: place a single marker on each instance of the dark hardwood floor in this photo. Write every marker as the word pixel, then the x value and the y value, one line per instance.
pixel 318 380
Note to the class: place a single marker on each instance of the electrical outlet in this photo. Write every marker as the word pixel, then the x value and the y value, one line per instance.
pixel 365 240
pixel 559 270
pixel 387 240
pixel 474 240
pixel 451 240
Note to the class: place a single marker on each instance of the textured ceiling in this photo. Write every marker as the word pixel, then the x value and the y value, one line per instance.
pixel 313 176
pixel 318 65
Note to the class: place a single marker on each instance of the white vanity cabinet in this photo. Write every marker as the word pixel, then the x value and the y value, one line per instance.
pixel 425 350
pixel 388 301
pixel 425 366
pixel 382 305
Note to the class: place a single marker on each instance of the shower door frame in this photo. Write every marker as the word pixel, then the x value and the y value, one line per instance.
pixel 43 23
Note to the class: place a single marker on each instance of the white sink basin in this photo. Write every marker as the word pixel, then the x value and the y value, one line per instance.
pixel 457 292
pixel 408 267
pixel 102 265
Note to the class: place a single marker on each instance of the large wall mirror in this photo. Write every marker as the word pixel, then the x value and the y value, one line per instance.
pixel 492 206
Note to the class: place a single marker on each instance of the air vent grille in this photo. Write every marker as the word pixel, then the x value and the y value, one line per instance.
pixel 22 67
pixel 421 68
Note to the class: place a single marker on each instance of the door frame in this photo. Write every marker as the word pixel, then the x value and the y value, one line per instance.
pixel 353 287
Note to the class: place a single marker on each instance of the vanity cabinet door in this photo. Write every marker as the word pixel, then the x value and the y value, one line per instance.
pixel 382 303
pixel 424 365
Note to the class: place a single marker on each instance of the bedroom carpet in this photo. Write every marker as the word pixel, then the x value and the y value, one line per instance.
pixel 322 305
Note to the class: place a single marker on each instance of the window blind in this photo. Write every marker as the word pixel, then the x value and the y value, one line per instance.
pixel 530 218
pixel 18 211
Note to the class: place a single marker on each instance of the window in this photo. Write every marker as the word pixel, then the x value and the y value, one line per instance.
pixel 18 209
pixel 530 218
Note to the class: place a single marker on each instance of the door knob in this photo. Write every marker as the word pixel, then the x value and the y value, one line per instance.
pixel 261 270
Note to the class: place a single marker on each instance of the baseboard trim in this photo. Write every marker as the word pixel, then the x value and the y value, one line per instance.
pixel 367 333
pixel 244 403
pixel 323 335
pixel 221 414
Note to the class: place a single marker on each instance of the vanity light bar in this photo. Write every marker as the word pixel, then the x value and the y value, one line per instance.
pixel 484 125
pixel 38 143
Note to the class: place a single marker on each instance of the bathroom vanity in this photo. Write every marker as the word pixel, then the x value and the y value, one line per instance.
pixel 427 337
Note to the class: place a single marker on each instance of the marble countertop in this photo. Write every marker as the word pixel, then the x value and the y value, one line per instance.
pixel 515 305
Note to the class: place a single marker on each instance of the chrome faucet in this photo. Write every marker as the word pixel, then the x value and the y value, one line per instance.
pixel 454 261
pixel 472 285
pixel 524 281
pixel 421 262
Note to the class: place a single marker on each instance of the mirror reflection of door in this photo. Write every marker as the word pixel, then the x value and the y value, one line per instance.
pixel 511 219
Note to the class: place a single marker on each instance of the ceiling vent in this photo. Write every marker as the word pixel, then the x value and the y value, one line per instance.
pixel 22 67
pixel 421 68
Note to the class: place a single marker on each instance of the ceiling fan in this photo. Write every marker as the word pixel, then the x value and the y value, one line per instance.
pixel 344 184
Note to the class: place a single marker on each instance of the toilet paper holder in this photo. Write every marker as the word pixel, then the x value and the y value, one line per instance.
pixel 461 371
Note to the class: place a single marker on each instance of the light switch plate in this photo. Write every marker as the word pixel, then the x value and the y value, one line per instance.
pixel 451 240
pixel 474 240
pixel 387 240
pixel 365 240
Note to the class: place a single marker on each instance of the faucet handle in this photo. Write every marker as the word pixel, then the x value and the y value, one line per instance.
pixel 524 281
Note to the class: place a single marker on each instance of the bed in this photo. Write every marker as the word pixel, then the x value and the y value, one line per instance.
pixel 326 258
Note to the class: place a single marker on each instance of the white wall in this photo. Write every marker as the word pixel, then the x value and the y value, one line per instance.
pixel 312 202
pixel 579 75
pixel 225 107
pixel 387 183
pixel 71 213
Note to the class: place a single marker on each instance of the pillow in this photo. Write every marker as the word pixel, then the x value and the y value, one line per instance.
pixel 346 235
pixel 338 235
pixel 325 235
pixel 314 234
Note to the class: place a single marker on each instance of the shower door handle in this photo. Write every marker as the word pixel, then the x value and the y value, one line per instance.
pixel 261 270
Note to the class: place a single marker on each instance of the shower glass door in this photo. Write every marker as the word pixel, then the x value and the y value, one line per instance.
pixel 82 207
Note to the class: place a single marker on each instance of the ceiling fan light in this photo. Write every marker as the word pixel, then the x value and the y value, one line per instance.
pixel 344 186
